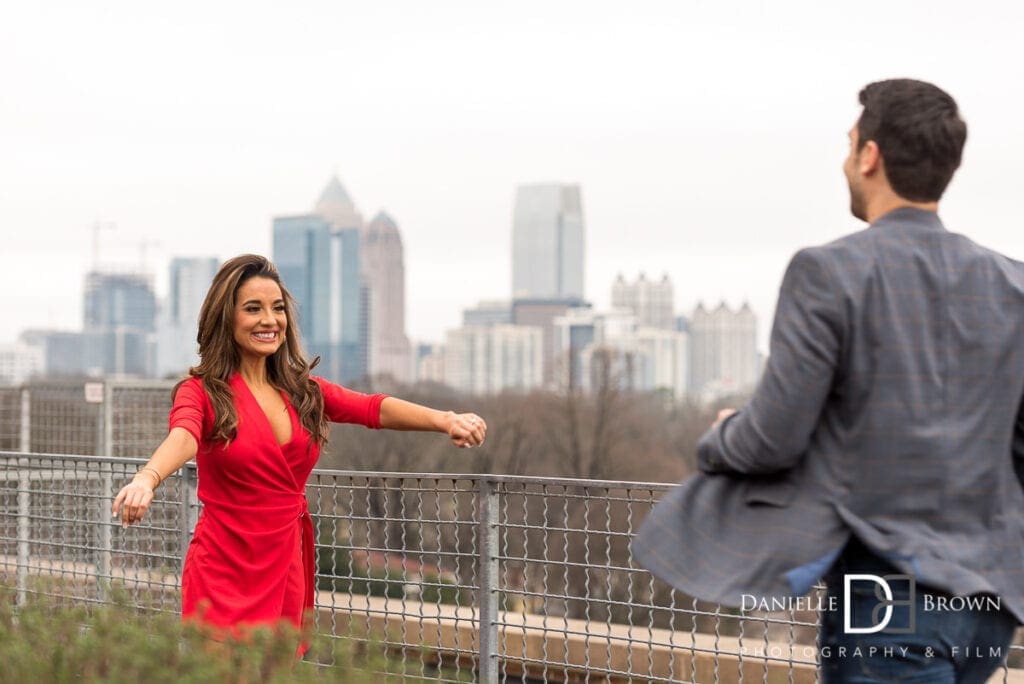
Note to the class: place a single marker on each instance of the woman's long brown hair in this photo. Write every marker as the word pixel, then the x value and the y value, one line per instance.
pixel 287 368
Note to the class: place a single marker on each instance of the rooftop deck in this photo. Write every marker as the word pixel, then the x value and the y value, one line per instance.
pixel 498 578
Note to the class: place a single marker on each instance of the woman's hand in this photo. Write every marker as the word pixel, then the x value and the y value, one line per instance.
pixel 178 448
pixel 134 499
pixel 466 429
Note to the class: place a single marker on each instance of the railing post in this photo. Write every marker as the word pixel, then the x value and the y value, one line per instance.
pixel 105 422
pixel 24 497
pixel 104 566
pixel 106 445
pixel 24 508
pixel 25 433
pixel 487 539
pixel 188 497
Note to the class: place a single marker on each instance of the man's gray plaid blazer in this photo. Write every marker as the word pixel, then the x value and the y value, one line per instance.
pixel 887 410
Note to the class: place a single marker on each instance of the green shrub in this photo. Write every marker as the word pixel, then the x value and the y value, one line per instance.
pixel 45 641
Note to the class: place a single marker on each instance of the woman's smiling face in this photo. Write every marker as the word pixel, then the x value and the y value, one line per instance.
pixel 260 320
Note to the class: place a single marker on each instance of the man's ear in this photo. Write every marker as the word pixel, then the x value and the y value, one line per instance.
pixel 869 161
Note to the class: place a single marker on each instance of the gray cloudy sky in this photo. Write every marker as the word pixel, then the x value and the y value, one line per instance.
pixel 707 136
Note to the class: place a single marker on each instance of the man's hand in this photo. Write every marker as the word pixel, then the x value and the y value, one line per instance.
pixel 722 415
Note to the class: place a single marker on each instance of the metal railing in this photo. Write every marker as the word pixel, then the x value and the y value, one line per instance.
pixel 95 417
pixel 460 577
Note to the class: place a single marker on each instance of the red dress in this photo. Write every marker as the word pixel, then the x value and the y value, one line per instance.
pixel 251 559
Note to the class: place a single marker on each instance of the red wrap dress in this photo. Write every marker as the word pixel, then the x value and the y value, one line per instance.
pixel 251 560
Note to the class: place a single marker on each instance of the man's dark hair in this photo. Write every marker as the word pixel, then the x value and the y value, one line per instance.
pixel 919 132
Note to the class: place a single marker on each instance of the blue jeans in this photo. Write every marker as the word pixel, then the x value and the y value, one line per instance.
pixel 943 642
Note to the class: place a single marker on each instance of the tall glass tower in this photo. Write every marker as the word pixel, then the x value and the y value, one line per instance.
pixel 189 280
pixel 383 269
pixel 318 256
pixel 115 300
pixel 547 242
pixel 302 253
pixel 119 325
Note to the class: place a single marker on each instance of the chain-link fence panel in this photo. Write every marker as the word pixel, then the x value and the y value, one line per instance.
pixel 10 418
pixel 58 536
pixel 65 417
pixel 137 416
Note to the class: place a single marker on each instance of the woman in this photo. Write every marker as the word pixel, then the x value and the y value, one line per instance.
pixel 255 419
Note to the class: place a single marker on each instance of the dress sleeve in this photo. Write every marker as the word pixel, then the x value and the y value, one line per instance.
pixel 343 405
pixel 191 409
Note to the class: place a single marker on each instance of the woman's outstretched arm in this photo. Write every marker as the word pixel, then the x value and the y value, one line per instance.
pixel 178 448
pixel 464 429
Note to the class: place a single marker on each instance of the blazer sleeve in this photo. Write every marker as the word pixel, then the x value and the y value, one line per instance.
pixel 1018 445
pixel 773 431
pixel 343 405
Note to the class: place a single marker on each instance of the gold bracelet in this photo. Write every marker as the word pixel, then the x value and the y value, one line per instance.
pixel 154 471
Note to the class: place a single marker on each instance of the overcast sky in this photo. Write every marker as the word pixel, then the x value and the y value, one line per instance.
pixel 707 136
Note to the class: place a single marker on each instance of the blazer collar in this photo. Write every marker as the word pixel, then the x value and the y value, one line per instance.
pixel 909 217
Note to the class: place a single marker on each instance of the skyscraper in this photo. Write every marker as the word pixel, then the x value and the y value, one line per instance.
pixel 651 301
pixel 114 300
pixel 189 279
pixel 542 314
pixel 383 269
pixel 320 268
pixel 351 356
pixel 336 207
pixel 20 362
pixel 547 259
pixel 429 362
pixel 668 360
pixel 591 345
pixel 348 314
pixel 318 256
pixel 494 358
pixel 349 280
pixel 547 242
pixel 724 357
pixel 488 312
pixel 303 253
pixel 119 325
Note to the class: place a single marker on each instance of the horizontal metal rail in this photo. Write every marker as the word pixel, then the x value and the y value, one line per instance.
pixel 462 576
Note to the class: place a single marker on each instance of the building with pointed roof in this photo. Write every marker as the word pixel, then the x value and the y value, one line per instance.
pixel 318 256
pixel 383 269
pixel 336 206
pixel 349 279
pixel 651 301
pixel 724 357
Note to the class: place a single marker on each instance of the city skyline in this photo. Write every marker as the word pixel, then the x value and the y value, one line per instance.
pixel 321 316
pixel 706 142
pixel 347 279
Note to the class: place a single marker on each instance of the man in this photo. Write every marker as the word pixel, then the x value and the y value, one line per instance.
pixel 879 439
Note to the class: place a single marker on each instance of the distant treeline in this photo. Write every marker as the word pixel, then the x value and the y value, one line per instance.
pixel 612 434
